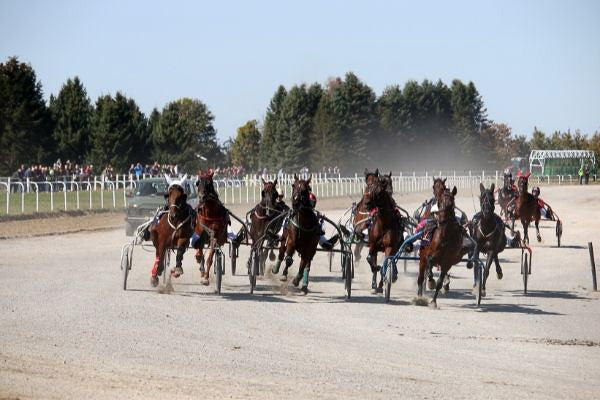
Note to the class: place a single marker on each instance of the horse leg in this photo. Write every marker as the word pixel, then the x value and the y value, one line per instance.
pixel 289 260
pixel 498 268
pixel 209 260
pixel 200 260
pixel 282 247
pixel 525 224
pixel 181 248
pixel 475 254
pixel 357 249
pixel 160 255
pixel 486 272
pixel 421 277
pixel 430 281
pixel 303 272
pixel 537 228
pixel 372 260
pixel 439 284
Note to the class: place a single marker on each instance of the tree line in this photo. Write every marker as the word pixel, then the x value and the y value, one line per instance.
pixel 111 131
pixel 343 123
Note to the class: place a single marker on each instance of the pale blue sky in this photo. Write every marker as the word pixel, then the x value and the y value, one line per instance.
pixel 536 63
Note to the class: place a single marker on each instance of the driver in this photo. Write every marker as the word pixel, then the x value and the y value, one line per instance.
pixel 325 243
pixel 545 209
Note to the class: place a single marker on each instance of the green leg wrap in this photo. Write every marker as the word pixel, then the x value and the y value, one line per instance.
pixel 305 277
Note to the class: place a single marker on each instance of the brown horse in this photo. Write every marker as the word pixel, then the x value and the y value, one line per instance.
pixel 361 219
pixel 173 230
pixel 446 247
pixel 386 230
pixel 506 197
pixel 487 229
pixel 301 233
pixel 423 212
pixel 213 215
pixel 526 208
pixel 267 215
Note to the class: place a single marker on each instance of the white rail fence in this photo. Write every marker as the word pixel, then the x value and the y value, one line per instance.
pixel 102 193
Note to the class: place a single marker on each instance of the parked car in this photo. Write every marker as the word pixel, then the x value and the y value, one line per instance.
pixel 147 196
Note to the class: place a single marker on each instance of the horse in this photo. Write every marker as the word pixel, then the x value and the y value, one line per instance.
pixel 446 248
pixel 526 208
pixel 301 233
pixel 266 218
pixel 424 211
pixel 506 196
pixel 172 230
pixel 360 215
pixel 212 217
pixel 487 229
pixel 386 229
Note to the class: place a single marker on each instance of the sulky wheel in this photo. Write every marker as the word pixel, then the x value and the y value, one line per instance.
pixel 233 256
pixel 388 280
pixel 253 269
pixel 219 269
pixel 125 266
pixel 524 271
pixel 558 231
pixel 348 274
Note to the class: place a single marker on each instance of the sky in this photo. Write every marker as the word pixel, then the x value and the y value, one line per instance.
pixel 535 63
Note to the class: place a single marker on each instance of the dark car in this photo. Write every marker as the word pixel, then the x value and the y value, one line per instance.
pixel 147 196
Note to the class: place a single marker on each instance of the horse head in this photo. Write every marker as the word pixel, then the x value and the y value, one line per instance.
pixel 269 196
pixel 386 181
pixel 523 182
pixel 487 200
pixel 373 193
pixel 301 193
pixel 446 204
pixel 206 186
pixel 439 186
pixel 176 196
pixel 371 177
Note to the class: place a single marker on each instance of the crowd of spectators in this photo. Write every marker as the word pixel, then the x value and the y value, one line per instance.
pixel 139 171
pixel 232 172
pixel 57 171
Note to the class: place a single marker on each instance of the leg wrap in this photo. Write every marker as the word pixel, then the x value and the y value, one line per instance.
pixel 289 260
pixel 305 277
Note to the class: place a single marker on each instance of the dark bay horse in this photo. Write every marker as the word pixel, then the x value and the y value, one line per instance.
pixel 487 229
pixel 386 229
pixel 423 212
pixel 301 233
pixel 173 230
pixel 213 215
pixel 526 209
pixel 446 248
pixel 361 218
pixel 506 197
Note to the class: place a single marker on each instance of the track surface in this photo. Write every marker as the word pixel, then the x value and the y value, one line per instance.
pixel 68 330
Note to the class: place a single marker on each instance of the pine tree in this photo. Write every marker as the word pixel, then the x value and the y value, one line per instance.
pixel 246 146
pixel 268 153
pixel 25 123
pixel 71 113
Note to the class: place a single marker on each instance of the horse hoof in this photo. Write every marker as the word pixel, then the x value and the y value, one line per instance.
pixel 433 304
pixel 154 281
pixel 374 291
pixel 539 238
pixel 295 282
pixel 446 288
pixel 283 278
pixel 304 290
pixel 482 292
pixel 474 291
pixel 431 284
pixel 500 275
pixel 176 272
pixel 469 264
pixel 204 281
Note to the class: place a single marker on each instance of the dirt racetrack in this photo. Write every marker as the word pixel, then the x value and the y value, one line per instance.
pixel 68 330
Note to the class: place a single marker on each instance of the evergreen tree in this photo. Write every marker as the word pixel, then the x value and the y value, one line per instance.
pixel 268 154
pixel 25 123
pixel 118 133
pixel 539 141
pixel 185 132
pixel 71 113
pixel 246 146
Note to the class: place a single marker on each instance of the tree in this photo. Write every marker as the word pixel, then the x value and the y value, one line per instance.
pixel 268 155
pixel 118 132
pixel 184 134
pixel 72 113
pixel 25 123
pixel 469 118
pixel 539 141
pixel 246 146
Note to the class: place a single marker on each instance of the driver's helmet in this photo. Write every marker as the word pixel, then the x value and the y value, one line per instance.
pixel 535 191
pixel 313 200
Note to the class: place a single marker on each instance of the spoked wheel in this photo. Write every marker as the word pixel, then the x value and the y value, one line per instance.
pixel 125 266
pixel 388 280
pixel 330 257
pixel 263 262
pixel 558 231
pixel 166 263
pixel 219 269
pixel 479 282
pixel 253 269
pixel 524 271
pixel 348 274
